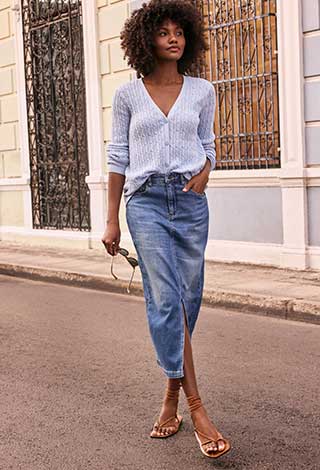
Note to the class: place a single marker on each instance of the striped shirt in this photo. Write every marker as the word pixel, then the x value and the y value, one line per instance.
pixel 145 141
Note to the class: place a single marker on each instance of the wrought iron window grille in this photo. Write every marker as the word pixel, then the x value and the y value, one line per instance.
pixel 55 91
pixel 242 64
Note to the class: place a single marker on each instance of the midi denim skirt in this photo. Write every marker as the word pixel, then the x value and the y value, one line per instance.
pixel 169 229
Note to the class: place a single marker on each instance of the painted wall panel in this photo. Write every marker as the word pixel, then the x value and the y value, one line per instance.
pixel 310 15
pixel 313 145
pixel 9 130
pixel 314 216
pixel 134 4
pixel 312 101
pixel 311 46
pixel 11 208
pixel 246 214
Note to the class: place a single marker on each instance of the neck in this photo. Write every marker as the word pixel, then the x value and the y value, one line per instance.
pixel 165 73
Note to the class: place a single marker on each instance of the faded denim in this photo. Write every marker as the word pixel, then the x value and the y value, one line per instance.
pixel 169 229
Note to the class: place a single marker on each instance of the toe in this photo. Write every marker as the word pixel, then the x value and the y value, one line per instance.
pixel 158 431
pixel 221 445
pixel 212 447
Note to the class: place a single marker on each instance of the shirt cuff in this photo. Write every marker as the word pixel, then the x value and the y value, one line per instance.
pixel 212 160
pixel 112 168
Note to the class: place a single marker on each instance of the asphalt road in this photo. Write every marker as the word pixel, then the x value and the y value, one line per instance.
pixel 80 387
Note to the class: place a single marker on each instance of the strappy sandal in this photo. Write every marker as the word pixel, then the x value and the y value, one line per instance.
pixel 221 443
pixel 160 427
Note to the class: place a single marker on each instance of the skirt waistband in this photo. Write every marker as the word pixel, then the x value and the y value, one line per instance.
pixel 162 178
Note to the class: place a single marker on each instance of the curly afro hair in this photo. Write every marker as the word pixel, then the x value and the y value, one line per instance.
pixel 137 34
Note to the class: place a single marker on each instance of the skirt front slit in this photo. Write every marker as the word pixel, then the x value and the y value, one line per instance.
pixel 169 229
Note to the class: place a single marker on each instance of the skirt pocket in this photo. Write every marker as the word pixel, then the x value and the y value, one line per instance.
pixel 197 194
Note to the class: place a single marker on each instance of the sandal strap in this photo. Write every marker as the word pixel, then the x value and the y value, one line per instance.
pixel 211 439
pixel 172 394
pixel 160 425
pixel 194 402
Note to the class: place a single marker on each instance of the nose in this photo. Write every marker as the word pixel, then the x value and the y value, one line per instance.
pixel 173 39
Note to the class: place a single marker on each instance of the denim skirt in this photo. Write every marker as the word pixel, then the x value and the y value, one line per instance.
pixel 169 229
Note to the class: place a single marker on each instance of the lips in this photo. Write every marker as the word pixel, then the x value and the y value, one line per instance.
pixel 174 48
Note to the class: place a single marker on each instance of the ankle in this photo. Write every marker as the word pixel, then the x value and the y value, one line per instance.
pixel 170 403
pixel 194 403
pixel 172 393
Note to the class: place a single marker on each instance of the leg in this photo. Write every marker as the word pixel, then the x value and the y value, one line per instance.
pixel 168 410
pixel 199 416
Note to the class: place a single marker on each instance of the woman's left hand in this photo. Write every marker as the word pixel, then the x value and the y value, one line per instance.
pixel 198 182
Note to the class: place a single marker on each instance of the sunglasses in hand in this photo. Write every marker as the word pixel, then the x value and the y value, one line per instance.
pixel 132 261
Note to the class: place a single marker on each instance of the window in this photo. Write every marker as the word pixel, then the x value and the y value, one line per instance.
pixel 242 64
pixel 55 91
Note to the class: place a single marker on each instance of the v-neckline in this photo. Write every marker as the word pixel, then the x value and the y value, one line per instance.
pixel 174 104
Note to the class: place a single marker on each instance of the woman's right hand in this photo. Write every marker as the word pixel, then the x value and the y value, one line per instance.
pixel 111 238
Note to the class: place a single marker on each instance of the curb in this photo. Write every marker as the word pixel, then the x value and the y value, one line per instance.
pixel 285 308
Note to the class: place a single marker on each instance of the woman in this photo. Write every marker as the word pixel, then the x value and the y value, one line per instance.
pixel 161 153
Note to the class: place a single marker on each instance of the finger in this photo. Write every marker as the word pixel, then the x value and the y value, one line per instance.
pixel 108 247
pixel 188 186
pixel 115 245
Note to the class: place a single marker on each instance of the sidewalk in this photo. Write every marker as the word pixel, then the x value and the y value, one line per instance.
pixel 286 293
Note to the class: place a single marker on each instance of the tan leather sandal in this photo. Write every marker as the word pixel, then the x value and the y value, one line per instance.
pixel 212 447
pixel 160 430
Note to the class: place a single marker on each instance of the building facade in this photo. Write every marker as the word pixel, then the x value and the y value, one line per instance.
pixel 60 64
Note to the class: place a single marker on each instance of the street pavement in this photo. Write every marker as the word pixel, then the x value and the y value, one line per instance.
pixel 80 387
pixel 287 293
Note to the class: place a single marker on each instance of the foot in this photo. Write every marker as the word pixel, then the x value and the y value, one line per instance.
pixel 203 424
pixel 168 421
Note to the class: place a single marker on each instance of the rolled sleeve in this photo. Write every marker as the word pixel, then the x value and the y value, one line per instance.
pixel 118 147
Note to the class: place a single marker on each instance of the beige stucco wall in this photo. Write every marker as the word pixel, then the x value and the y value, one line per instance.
pixel 114 71
pixel 11 208
pixel 11 205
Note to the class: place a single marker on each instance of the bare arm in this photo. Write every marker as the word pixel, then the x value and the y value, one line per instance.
pixel 118 160
pixel 112 235
pixel 115 187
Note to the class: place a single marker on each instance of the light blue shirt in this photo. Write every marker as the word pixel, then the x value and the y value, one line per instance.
pixel 145 141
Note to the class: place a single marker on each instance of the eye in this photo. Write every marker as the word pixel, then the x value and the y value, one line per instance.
pixel 162 33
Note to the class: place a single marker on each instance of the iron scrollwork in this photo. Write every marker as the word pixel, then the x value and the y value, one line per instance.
pixel 242 64
pixel 55 90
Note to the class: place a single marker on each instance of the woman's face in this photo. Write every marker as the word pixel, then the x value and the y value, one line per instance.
pixel 169 41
